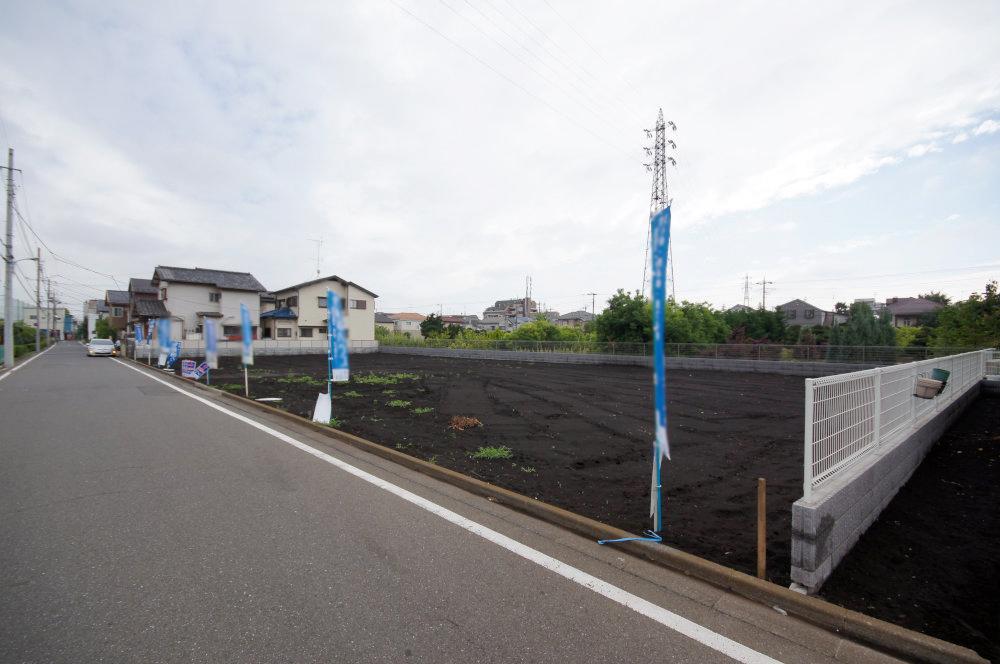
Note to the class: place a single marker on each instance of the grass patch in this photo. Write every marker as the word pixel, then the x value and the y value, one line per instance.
pixel 491 452
pixel 421 410
pixel 404 446
pixel 398 403
pixel 301 380
pixel 461 423
pixel 388 393
pixel 231 387
pixel 389 379
pixel 352 394
pixel 336 422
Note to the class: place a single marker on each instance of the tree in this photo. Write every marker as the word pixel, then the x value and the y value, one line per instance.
pixel 692 322
pixel 628 317
pixel 864 329
pixel 840 308
pixel 102 330
pixel 973 322
pixel 755 325
pixel 936 296
pixel 432 326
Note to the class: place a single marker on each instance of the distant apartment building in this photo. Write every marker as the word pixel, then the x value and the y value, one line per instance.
pixel 575 319
pixel 300 311
pixel 43 319
pixel 504 311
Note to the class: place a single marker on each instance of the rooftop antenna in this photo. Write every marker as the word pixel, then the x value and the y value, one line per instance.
pixel 319 252
pixel 660 197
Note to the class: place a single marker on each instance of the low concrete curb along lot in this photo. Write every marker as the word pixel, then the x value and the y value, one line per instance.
pixel 171 531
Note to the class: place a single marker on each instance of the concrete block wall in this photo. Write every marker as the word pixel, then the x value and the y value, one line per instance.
pixel 828 524
pixel 807 369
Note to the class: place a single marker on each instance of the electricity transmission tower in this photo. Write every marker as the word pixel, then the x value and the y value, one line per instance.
pixel 660 197
pixel 746 291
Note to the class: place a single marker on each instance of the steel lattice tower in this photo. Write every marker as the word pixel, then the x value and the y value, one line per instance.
pixel 660 196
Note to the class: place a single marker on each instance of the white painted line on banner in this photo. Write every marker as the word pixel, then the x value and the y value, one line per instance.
pixel 688 628
pixel 25 363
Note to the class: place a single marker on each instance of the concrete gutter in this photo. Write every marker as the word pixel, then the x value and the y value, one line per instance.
pixel 884 636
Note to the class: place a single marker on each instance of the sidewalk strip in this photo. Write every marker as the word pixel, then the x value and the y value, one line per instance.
pixel 688 628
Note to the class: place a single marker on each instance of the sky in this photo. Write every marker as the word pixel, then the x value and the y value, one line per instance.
pixel 443 151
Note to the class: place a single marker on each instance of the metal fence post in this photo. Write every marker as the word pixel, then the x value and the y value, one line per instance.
pixel 877 415
pixel 808 439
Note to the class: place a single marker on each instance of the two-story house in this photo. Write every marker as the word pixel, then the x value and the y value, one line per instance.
pixel 117 303
pixel 300 310
pixel 191 295
pixel 910 311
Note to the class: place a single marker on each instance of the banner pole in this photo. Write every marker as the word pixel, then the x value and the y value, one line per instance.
pixel 246 381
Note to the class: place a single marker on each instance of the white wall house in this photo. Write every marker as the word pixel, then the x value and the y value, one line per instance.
pixel 300 311
pixel 190 295
pixel 31 314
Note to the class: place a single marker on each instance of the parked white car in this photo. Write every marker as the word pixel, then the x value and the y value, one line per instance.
pixel 101 347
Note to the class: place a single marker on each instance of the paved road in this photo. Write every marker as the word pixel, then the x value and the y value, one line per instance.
pixel 141 525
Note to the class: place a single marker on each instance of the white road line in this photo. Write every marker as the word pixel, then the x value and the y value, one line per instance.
pixel 690 629
pixel 30 359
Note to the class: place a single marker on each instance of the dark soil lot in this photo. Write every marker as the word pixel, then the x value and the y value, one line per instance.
pixel 580 437
pixel 932 560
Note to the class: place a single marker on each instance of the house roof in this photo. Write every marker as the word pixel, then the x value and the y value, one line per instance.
pixel 332 277
pixel 408 316
pixel 577 315
pixel 904 306
pixel 116 297
pixel 793 303
pixel 219 278
pixel 148 308
pixel 381 317
pixel 102 308
pixel 282 313
pixel 137 285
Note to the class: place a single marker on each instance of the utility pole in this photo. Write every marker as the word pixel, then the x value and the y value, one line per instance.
pixel 38 301
pixel 8 296
pixel 763 291
pixel 593 302
pixel 48 313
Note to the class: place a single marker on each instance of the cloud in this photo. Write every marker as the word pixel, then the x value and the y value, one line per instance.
pixel 228 135
pixel 960 137
pixel 987 127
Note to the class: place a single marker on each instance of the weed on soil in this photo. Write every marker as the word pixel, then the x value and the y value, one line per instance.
pixel 581 437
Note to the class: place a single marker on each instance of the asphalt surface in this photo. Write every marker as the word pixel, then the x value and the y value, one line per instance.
pixel 139 525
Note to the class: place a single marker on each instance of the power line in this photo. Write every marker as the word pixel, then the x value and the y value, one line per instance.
pixel 509 79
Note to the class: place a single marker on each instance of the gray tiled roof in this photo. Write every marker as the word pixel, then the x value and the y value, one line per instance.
pixel 910 306
pixel 577 315
pixel 381 317
pixel 151 308
pixel 116 297
pixel 145 286
pixel 219 278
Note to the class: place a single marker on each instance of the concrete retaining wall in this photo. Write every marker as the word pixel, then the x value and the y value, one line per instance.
pixel 827 525
pixel 808 369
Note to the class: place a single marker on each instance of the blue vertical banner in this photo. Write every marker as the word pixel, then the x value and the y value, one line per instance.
pixel 149 330
pixel 661 445
pixel 337 337
pixel 138 333
pixel 163 340
pixel 211 343
pixel 247 330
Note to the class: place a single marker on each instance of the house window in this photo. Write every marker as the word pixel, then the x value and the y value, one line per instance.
pixel 116 312
pixel 293 301
pixel 230 330
pixel 163 293
pixel 279 304
pixel 791 313
pixel 305 332
pixel 215 297
pixel 321 302
pixel 284 332
pixel 359 304
pixel 810 313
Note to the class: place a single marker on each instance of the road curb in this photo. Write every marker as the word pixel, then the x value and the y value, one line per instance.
pixel 884 636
